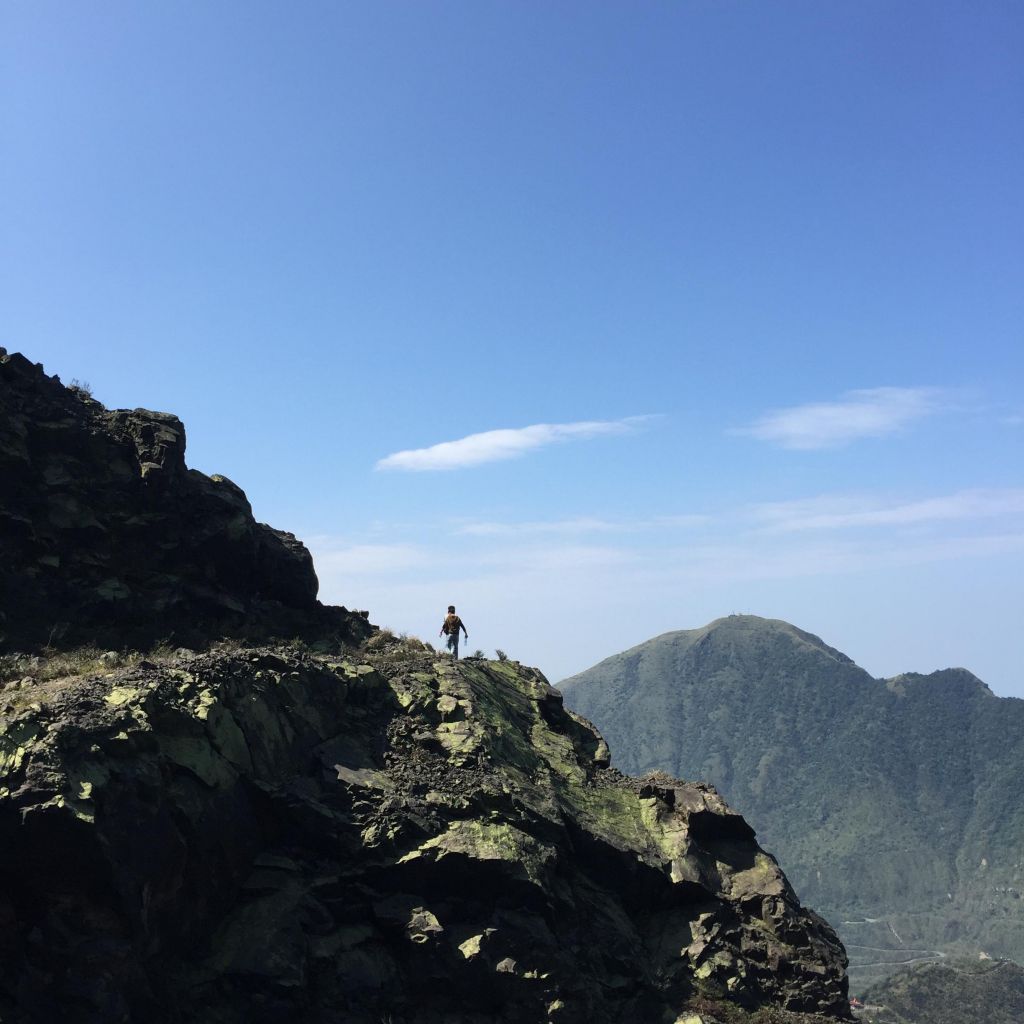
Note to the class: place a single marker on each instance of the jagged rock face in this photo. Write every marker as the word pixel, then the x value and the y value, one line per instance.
pixel 273 835
pixel 249 836
pixel 106 536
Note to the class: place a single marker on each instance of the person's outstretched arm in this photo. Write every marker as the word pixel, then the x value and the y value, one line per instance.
pixel 464 630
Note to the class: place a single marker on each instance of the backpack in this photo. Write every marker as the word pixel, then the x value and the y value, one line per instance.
pixel 451 624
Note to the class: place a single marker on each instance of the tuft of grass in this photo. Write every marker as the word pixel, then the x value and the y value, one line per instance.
pixel 500 654
pixel 720 1011
pixel 57 664
pixel 27 678
pixel 49 665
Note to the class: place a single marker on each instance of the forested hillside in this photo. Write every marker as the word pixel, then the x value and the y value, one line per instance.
pixel 951 992
pixel 895 806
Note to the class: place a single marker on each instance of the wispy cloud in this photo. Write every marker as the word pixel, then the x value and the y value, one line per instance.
pixel 556 527
pixel 580 524
pixel 830 513
pixel 872 412
pixel 544 559
pixel 338 557
pixel 747 560
pixel 498 445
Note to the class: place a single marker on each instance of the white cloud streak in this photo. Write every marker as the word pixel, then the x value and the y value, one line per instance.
pixel 831 513
pixel 339 558
pixel 499 445
pixel 872 412
pixel 581 524
pixel 556 527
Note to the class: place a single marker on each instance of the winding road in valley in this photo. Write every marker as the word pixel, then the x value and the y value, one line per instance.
pixel 921 955
pixel 914 956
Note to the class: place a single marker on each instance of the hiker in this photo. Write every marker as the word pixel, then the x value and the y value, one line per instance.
pixel 451 625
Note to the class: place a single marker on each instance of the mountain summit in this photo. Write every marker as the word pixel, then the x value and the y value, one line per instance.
pixel 895 803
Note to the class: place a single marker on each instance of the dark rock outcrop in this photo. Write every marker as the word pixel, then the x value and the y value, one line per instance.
pixel 351 829
pixel 273 835
pixel 106 537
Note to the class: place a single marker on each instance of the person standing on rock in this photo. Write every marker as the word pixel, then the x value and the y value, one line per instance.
pixel 451 626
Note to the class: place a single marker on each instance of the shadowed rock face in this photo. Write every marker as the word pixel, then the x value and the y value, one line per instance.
pixel 273 835
pixel 106 537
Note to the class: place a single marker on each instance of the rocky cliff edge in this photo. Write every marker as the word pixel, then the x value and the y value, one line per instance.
pixel 256 835
pixel 344 827
pixel 108 538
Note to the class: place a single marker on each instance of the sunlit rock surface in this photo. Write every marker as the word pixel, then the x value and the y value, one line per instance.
pixel 272 834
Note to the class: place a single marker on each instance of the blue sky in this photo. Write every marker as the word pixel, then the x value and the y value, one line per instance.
pixel 711 307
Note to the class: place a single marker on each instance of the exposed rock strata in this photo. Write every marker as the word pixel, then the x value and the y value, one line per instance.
pixel 106 537
pixel 272 835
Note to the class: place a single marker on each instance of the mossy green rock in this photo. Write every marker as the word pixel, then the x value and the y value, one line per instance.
pixel 272 835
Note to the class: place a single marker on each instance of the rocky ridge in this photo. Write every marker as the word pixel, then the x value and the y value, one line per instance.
pixel 108 538
pixel 277 835
pixel 342 826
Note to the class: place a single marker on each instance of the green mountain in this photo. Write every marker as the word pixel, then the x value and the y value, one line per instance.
pixel 951 992
pixel 895 806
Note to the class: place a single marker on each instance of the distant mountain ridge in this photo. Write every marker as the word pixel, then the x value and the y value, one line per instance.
pixel 949 992
pixel 895 806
